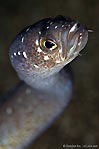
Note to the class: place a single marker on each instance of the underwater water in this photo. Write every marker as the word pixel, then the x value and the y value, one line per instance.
pixel 79 124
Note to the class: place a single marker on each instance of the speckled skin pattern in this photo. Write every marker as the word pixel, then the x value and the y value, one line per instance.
pixel 31 109
pixel 33 61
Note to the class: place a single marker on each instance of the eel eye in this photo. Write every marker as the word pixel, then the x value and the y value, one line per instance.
pixel 49 44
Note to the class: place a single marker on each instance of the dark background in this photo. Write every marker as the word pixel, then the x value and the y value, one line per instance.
pixel 79 124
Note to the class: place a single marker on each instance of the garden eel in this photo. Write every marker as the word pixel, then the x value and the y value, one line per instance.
pixel 38 54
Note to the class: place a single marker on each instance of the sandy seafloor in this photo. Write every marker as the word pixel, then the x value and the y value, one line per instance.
pixel 79 124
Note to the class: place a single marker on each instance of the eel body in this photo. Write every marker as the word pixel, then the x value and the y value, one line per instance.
pixel 38 54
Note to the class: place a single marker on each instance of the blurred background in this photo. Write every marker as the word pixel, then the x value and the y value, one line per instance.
pixel 79 124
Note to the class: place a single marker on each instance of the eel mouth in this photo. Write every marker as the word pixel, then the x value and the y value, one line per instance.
pixel 77 38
